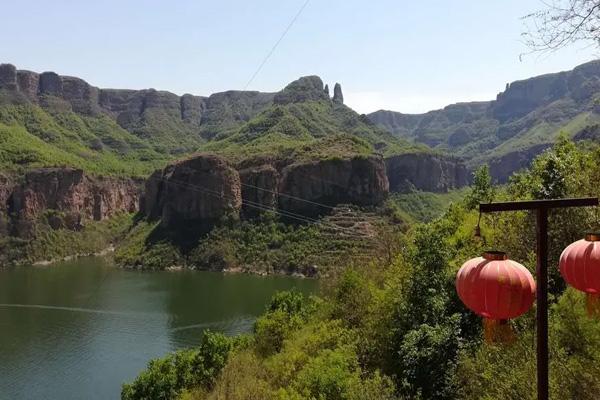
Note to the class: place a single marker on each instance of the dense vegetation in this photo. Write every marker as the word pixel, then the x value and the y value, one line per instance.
pixel 48 244
pixel 395 328
pixel 283 128
pixel 527 116
pixel 266 244
pixel 32 136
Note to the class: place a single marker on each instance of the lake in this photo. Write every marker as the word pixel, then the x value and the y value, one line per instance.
pixel 79 329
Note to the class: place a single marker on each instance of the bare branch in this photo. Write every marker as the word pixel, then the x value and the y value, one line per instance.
pixel 562 23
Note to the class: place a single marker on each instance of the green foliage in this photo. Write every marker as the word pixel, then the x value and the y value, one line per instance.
pixel 137 250
pixel 31 137
pixel 286 313
pixel 481 190
pixel 307 130
pixel 396 328
pixel 50 245
pixel 265 244
pixel 508 372
pixel 166 378
pixel 422 206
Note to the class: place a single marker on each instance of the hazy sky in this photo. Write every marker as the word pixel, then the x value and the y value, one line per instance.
pixel 409 56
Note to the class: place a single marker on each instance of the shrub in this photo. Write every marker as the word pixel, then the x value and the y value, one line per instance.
pixel 168 377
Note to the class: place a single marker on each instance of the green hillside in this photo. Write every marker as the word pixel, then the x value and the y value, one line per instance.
pixel 509 131
pixel 31 137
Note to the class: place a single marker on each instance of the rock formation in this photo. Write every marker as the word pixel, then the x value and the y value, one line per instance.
pixel 230 109
pixel 338 97
pixel 203 189
pixel 69 191
pixel 8 77
pixel 502 167
pixel 259 189
pixel 358 180
pixel 428 172
pixel 195 192
pixel 518 124
pixel 307 88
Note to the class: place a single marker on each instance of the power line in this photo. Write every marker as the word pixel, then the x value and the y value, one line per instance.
pixel 270 53
pixel 287 214
pixel 287 195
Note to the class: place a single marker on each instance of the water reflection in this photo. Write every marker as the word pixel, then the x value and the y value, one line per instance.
pixel 79 329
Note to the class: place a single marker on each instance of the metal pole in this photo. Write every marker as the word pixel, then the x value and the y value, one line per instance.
pixel 542 303
pixel 541 207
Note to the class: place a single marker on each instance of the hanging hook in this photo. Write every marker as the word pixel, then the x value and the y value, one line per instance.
pixel 477 233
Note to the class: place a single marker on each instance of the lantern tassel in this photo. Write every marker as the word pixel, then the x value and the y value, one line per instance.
pixel 497 331
pixel 593 304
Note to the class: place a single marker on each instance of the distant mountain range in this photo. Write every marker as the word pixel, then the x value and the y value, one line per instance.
pixel 508 132
pixel 49 119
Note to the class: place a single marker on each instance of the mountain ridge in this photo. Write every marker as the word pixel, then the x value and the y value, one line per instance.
pixel 509 131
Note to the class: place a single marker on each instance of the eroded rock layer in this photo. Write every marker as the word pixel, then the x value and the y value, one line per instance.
pixel 68 191
pixel 205 188
pixel 427 172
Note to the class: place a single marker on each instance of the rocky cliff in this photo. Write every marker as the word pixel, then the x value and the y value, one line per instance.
pixel 427 172
pixel 195 192
pixel 358 180
pixel 523 120
pixel 68 191
pixel 205 188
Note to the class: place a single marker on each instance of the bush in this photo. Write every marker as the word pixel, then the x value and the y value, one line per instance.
pixel 168 377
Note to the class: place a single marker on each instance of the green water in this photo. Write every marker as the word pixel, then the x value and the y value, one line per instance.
pixel 79 329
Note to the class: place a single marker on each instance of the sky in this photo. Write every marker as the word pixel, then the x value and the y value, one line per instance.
pixel 407 56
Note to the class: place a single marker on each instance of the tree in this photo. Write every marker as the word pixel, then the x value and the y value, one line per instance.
pixel 562 23
pixel 482 190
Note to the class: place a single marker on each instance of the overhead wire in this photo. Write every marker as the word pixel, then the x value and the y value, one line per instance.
pixel 270 53
pixel 284 213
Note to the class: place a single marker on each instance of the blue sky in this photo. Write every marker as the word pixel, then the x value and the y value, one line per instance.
pixel 409 56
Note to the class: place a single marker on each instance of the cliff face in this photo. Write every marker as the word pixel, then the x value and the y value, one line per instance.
pixel 196 192
pixel 501 168
pixel 360 181
pixel 68 191
pixel 203 189
pixel 523 120
pixel 426 172
pixel 259 189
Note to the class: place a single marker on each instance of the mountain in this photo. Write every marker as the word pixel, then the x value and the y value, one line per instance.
pixel 509 131
pixel 69 151
pixel 49 120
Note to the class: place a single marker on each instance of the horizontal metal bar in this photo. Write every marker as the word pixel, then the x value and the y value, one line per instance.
pixel 537 204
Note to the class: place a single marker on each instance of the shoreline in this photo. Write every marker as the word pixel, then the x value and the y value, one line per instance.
pixel 102 253
pixel 108 251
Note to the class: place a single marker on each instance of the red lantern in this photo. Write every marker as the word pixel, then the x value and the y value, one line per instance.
pixel 495 288
pixel 580 268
